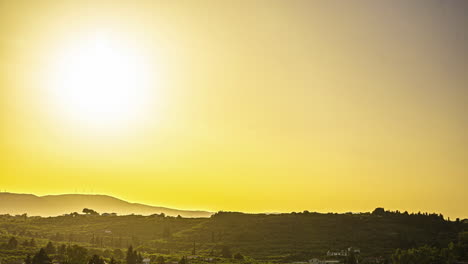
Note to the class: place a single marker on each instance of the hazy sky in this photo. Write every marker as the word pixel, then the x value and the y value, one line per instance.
pixel 256 105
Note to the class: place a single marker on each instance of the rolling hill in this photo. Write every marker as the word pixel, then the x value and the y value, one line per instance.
pixel 275 238
pixel 54 205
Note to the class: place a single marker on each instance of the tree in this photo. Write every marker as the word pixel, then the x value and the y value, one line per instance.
pixel 62 250
pixel 50 248
pixel 118 253
pixel 160 260
pixel 112 261
pixel 351 258
pixel 61 253
pixel 25 243
pixel 238 256
pixel 139 258
pixel 32 242
pixel 12 243
pixel 378 211
pixel 77 254
pixel 90 211
pixel 41 258
pixel 95 259
pixel 183 260
pixel 107 253
pixel 132 256
pixel 28 260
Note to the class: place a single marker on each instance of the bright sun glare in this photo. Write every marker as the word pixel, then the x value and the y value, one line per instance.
pixel 102 83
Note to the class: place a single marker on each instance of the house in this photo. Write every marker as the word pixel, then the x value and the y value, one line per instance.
pixel 146 261
pixel 338 253
pixel 318 261
pixel 344 252
pixel 354 250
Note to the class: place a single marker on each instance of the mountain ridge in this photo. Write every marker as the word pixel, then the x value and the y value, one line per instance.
pixel 59 204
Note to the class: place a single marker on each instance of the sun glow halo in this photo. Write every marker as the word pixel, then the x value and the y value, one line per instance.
pixel 102 83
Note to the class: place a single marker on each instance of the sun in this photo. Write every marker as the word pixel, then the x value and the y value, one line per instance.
pixel 102 82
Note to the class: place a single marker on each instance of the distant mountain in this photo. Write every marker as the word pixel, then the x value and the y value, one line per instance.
pixel 53 205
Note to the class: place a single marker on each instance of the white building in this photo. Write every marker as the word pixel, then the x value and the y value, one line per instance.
pixel 344 252
pixel 340 253
pixel 318 261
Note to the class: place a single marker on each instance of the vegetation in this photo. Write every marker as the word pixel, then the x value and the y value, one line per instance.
pixel 433 255
pixel 230 237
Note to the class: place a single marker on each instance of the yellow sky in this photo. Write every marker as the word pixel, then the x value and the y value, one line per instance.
pixel 256 106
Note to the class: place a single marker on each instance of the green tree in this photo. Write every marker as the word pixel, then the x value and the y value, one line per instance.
pixel 183 260
pixel 50 248
pixel 132 256
pixel 378 211
pixel 62 250
pixel 25 243
pixel 238 256
pixel 139 258
pixel 41 257
pixel 160 260
pixel 351 258
pixel 77 254
pixel 89 211
pixel 61 253
pixel 12 243
pixel 95 259
pixel 28 260
pixel 118 253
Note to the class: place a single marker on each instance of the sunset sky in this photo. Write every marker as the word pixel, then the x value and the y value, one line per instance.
pixel 255 106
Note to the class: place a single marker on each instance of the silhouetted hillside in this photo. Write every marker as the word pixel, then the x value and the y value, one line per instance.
pixel 273 237
pixel 54 205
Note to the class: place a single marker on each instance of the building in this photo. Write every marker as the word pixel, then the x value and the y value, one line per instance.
pixel 146 261
pixel 337 253
pixel 354 250
pixel 344 252
pixel 318 261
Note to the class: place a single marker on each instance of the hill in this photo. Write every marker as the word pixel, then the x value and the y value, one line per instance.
pixel 267 237
pixel 54 205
